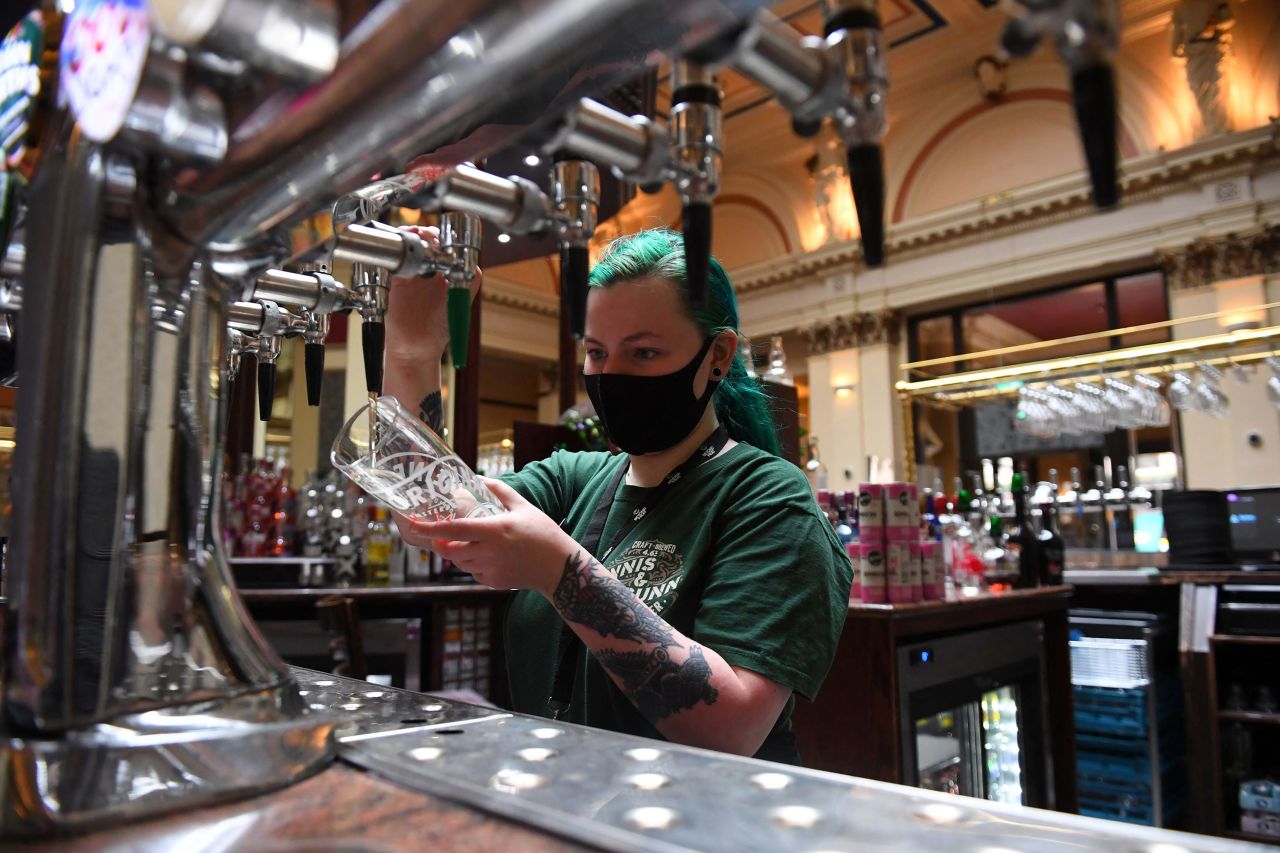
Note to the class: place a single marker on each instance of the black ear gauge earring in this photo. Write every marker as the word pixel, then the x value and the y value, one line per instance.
pixel 715 371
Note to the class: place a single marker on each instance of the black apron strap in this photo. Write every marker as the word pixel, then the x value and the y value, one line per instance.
pixel 571 649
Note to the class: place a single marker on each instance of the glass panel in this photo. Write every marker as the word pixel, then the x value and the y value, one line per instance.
pixel 1000 746
pixel 1057 314
pixel 938 749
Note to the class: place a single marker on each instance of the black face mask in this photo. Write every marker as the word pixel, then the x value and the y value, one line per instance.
pixel 646 414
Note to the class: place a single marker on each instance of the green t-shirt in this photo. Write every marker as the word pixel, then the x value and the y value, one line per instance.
pixel 736 557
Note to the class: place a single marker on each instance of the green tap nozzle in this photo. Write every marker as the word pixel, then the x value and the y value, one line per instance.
pixel 459 307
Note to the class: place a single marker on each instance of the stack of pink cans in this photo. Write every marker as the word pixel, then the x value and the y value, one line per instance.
pixel 892 563
pixel 870 565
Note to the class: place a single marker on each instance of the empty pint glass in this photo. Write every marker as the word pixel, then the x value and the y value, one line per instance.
pixel 397 458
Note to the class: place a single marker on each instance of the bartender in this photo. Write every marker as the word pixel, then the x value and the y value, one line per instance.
pixel 687 588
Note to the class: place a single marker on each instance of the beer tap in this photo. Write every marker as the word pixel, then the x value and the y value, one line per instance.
pixel 853 32
pixel 313 337
pixel 1085 33
pixel 315 295
pixel 844 76
pixel 637 150
pixel 575 195
pixel 371 294
pixel 696 131
pixel 267 323
pixel 460 239
pixel 377 249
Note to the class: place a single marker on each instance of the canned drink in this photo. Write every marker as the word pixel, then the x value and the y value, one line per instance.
pixel 871 572
pixel 871 520
pixel 902 515
pixel 898 572
pixel 933 577
pixel 914 580
pixel 853 549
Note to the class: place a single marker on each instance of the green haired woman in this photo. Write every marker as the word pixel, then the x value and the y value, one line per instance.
pixel 683 589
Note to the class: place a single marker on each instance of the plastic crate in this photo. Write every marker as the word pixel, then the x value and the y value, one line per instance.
pixel 1114 711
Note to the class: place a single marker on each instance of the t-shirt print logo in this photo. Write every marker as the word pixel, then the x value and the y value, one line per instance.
pixel 652 570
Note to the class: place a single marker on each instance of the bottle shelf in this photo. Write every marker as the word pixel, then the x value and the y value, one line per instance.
pixel 1250 717
pixel 1241 835
pixel 1245 639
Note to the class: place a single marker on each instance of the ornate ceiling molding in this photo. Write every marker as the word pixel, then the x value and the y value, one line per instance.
pixel 509 295
pixel 1150 176
pixel 860 329
pixel 1207 260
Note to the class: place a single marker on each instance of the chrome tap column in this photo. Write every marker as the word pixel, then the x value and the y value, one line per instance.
pixel 135 681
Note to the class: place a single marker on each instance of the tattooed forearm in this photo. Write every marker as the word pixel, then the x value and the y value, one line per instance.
pixel 589 596
pixel 656 685
pixel 431 410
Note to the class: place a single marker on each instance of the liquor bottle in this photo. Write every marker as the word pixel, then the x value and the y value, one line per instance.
pixel 1120 514
pixel 844 530
pixel 253 541
pixel 932 524
pixel 850 499
pixel 814 469
pixel 1021 544
pixel 378 543
pixel 1097 530
pixel 1051 545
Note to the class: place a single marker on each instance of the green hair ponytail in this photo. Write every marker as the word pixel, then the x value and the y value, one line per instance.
pixel 740 403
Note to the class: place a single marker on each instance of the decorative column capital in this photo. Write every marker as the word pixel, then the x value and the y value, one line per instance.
pixel 1210 259
pixel 847 331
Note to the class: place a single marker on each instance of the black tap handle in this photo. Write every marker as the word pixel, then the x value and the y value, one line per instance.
pixel 575 265
pixel 1093 89
pixel 266 389
pixel 1018 39
pixel 866 178
pixel 373 339
pixel 805 128
pixel 314 362
pixel 697 251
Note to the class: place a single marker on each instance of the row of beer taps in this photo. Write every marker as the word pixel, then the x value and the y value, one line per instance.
pixel 840 77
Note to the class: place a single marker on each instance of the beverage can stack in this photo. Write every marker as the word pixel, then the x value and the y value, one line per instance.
pixel 902 531
pixel 892 563
pixel 870 566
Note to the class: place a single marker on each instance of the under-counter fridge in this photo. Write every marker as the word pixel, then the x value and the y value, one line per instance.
pixel 974 708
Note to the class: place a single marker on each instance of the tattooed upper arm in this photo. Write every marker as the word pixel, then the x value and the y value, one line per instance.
pixel 431 410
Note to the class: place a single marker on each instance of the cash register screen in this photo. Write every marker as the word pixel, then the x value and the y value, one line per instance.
pixel 1255 523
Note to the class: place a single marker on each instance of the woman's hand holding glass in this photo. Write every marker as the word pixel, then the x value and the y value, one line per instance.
pixel 520 549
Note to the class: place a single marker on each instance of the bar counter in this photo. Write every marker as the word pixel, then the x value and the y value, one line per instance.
pixel 442 775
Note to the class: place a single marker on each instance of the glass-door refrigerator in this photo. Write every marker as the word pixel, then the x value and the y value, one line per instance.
pixel 974 715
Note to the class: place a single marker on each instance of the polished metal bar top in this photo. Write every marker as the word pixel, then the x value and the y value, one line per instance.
pixel 619 792
pixel 364 709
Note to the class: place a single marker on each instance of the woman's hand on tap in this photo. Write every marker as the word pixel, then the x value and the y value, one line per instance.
pixel 417 323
